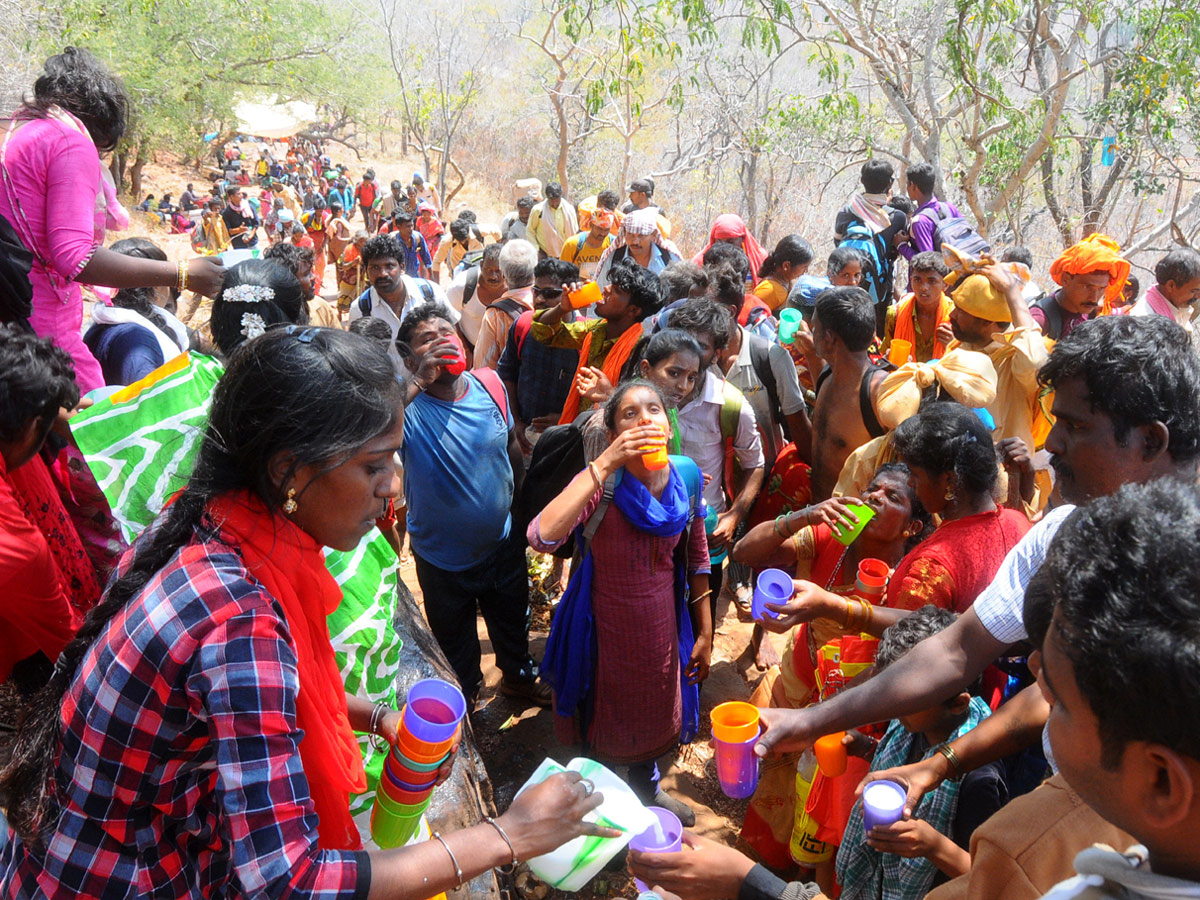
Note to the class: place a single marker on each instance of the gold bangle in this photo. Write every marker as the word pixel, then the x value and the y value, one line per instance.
pixel 867 610
pixel 951 757
pixel 182 279
pixel 596 479
pixel 851 617
pixel 700 597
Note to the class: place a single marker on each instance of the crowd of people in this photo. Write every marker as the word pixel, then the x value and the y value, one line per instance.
pixel 1025 461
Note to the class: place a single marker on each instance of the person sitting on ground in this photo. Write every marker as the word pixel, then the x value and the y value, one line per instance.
pixel 587 247
pixel 811 667
pixel 189 200
pixel 902 861
pixel 606 342
pixel 640 241
pixel 210 654
pixel 1112 666
pixel 845 415
pixel 922 318
pixel 1176 291
pixel 393 292
pixel 1090 274
pixel 517 262
pixel 538 376
pixel 643 580
pixel 462 469
pixel 781 268
pixel 299 261
pixel 136 335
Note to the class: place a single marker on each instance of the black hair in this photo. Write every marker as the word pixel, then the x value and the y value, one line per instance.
pixel 1131 281
pixel 76 81
pixel 315 394
pixel 918 512
pixel 525 202
pixel 727 288
pixel 400 217
pixel 680 278
pixel 460 230
pixel 721 253
pixel 397 185
pixel 468 216
pixel 336 204
pixel 641 286
pixel 553 189
pixel 668 342
pixel 614 402
pixel 702 316
pixel 318 203
pixel 141 299
pixel 232 189
pixel 290 256
pixel 607 199
pixel 1181 265
pixel 1122 584
pixel 924 176
pixel 373 328
pixel 417 316
pixel 1017 254
pixel 914 628
pixel 791 248
pixel 842 257
pixel 36 378
pixel 848 313
pixel 929 261
pixel 558 269
pixel 902 203
pixel 877 176
pixel 285 306
pixel 382 246
pixel 1138 370
pixel 949 438
pixel 491 253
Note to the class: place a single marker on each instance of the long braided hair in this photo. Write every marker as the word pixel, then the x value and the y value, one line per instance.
pixel 314 394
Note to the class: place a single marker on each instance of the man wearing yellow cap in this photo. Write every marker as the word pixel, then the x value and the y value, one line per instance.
pixel 990 316
pixel 585 248
pixel 1092 275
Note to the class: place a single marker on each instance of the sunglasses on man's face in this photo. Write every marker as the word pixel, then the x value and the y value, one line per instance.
pixel 548 293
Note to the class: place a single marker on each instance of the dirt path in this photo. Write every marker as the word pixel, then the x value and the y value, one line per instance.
pixel 527 737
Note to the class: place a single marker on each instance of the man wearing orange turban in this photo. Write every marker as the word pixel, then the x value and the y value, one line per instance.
pixel 1091 274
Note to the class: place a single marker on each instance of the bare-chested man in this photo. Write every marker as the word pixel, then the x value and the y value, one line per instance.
pixel 844 416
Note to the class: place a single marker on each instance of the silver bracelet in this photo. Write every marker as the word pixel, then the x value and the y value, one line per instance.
pixel 506 869
pixel 377 715
pixel 458 873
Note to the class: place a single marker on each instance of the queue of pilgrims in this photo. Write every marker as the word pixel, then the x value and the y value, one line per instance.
pixel 1022 447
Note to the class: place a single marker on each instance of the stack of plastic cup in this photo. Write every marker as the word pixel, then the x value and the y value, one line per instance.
pixel 773 586
pixel 872 579
pixel 665 836
pixel 735 731
pixel 429 729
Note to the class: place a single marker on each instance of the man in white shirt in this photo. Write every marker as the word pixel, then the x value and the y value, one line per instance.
pixel 473 290
pixel 515 224
pixel 551 222
pixel 392 294
pixel 1127 409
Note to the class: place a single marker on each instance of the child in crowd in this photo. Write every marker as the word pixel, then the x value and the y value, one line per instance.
pixel 904 860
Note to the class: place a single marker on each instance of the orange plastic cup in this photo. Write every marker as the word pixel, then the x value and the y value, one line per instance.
pixel 899 352
pixel 872 577
pixel 734 722
pixel 831 754
pixel 423 751
pixel 587 295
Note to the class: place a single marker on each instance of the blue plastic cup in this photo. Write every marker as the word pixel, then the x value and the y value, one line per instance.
pixel 666 838
pixel 773 586
pixel 882 803
pixel 433 710
pixel 737 767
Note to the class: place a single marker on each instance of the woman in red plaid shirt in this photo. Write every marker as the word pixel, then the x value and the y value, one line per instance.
pixel 195 739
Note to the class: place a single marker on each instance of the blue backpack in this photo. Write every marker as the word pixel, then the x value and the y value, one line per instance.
pixel 871 248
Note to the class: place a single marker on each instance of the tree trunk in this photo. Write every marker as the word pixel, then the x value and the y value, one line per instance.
pixel 117 168
pixel 135 175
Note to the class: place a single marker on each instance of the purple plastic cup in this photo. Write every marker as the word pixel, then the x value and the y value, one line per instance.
pixel 433 710
pixel 882 803
pixel 737 767
pixel 666 838
pixel 773 586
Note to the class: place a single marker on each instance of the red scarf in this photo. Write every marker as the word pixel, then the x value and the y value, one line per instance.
pixel 289 564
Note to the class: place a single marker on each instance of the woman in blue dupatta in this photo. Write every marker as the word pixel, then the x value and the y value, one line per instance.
pixel 632 637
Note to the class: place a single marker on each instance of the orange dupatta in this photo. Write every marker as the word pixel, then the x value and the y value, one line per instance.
pixel 906 329
pixel 290 565
pixel 618 355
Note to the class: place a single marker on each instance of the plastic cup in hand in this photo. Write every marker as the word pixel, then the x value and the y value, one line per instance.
pixel 882 803
pixel 734 721
pixel 773 586
pixel 899 352
pixel 655 458
pixel 789 324
pixel 831 754
pixel 460 364
pixel 664 836
pixel 737 767
pixel 872 578
pixel 710 525
pixel 587 295
pixel 433 710
pixel 847 536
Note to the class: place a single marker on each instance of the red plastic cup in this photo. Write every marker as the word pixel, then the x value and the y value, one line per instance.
pixel 831 754
pixel 460 364
pixel 872 577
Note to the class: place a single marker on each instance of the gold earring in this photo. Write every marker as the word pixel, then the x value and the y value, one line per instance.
pixel 290 505
pixel 949 495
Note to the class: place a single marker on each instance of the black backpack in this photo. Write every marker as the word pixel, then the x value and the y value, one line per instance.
pixel 1054 317
pixel 16 293
pixel 558 457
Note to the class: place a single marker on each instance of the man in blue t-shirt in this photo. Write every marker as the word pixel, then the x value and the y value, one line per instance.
pixel 462 466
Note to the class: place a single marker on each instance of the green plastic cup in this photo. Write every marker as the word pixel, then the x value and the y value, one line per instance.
pixel 401 809
pixel 388 830
pixel 848 536
pixel 789 324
